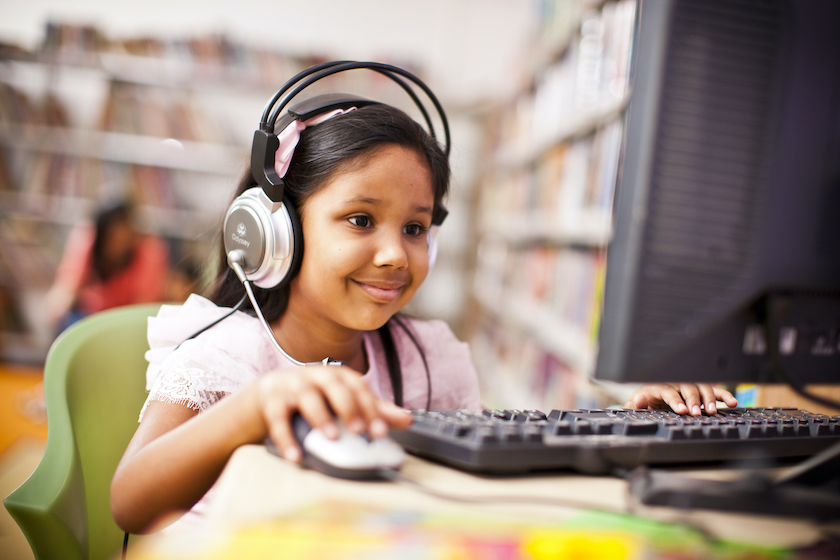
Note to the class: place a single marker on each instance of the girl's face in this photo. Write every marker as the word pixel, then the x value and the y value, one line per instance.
pixel 365 248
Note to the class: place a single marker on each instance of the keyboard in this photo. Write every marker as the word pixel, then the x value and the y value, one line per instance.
pixel 603 441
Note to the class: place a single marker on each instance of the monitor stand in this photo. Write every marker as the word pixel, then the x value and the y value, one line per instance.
pixel 810 490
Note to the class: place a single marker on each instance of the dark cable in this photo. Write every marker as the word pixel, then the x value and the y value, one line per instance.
pixel 776 305
pixel 392 358
pixel 216 322
pixel 125 546
pixel 423 357
pixel 802 392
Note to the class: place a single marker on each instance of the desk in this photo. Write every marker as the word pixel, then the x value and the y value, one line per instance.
pixel 258 493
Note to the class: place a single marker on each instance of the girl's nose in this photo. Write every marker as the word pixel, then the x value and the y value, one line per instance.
pixel 391 250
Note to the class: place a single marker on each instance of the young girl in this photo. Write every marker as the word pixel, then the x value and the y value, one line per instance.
pixel 366 185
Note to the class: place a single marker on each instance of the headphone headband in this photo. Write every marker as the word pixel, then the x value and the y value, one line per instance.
pixel 325 69
pixel 265 142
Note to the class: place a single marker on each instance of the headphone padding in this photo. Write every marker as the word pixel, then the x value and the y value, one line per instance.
pixel 297 243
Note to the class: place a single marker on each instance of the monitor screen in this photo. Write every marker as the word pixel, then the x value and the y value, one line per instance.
pixel 724 264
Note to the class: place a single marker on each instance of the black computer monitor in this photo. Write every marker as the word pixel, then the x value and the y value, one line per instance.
pixel 725 260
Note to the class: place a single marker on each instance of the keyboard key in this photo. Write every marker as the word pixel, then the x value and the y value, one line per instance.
pixel 695 432
pixel 820 429
pixel 458 429
pixel 604 428
pixel 556 415
pixel 730 432
pixel 509 433
pixel 787 429
pixel 751 431
pixel 562 428
pixel 677 433
pixel 640 428
pixel 714 432
pixel 534 416
pixel 485 434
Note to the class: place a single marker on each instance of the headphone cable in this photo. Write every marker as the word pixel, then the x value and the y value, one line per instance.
pixel 235 260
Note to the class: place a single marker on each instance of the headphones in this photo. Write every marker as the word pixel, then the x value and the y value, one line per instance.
pixel 262 233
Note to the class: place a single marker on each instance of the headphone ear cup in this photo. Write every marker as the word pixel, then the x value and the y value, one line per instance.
pixel 267 235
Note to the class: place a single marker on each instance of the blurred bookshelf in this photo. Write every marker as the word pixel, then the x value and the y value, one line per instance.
pixel 544 212
pixel 86 119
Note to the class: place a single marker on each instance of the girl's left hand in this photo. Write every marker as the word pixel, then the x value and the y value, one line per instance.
pixel 682 398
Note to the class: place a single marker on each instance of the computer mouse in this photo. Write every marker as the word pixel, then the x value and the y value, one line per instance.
pixel 351 456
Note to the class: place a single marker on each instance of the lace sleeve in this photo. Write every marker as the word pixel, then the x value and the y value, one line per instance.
pixel 198 377
pixel 184 383
pixel 207 368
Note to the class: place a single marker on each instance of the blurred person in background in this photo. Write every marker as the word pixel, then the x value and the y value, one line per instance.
pixel 107 264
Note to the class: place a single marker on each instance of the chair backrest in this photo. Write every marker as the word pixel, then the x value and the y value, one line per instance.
pixel 94 384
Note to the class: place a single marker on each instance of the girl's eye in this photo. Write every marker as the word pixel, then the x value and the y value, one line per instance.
pixel 414 230
pixel 360 221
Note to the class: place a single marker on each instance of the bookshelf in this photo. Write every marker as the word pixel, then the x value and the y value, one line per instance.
pixel 57 169
pixel 544 212
pixel 85 119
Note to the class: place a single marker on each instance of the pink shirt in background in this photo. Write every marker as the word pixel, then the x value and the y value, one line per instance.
pixel 143 281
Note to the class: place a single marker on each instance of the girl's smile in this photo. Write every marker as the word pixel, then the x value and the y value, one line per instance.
pixel 384 291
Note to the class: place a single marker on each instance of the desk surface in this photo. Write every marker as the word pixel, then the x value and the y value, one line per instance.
pixel 257 487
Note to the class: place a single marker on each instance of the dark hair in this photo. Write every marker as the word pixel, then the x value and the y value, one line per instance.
pixel 338 145
pixel 106 218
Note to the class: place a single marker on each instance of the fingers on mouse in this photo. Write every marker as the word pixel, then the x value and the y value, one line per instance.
pixel 350 456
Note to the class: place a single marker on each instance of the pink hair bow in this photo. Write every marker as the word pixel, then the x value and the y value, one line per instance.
pixel 290 135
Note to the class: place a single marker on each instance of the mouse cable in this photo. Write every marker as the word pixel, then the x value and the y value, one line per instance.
pixel 397 476
pixel 400 478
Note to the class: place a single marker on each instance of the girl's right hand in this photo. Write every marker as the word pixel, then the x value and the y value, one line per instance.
pixel 323 395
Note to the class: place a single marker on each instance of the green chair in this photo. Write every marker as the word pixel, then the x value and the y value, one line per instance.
pixel 94 383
